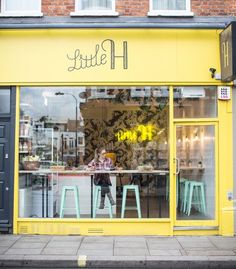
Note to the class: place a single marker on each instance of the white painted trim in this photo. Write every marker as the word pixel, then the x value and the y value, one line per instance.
pixel 101 12
pixel 180 13
pixel 21 14
pixel 94 13
pixel 25 13
pixel 185 13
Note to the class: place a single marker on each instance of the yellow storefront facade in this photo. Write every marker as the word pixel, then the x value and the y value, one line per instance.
pixel 137 92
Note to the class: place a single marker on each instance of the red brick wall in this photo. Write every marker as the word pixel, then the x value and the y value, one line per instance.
pixel 214 7
pixel 58 7
pixel 141 7
pixel 132 7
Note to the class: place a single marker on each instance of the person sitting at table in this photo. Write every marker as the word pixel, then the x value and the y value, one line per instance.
pixel 101 162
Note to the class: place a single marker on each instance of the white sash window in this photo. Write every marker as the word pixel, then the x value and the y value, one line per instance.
pixel 94 8
pixel 170 8
pixel 20 8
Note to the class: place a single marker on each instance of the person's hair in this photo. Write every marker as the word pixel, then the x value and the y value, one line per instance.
pixel 97 153
pixel 96 157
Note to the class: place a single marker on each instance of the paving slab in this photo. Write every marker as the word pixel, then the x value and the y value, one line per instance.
pixel 23 251
pixel 27 245
pixel 10 237
pixel 164 246
pixel 35 238
pixel 156 252
pixel 131 252
pixel 210 253
pixel 224 243
pixel 3 250
pixel 96 246
pixel 60 251
pixel 61 244
pixel 65 238
pixel 95 252
pixel 130 239
pixel 98 239
pixel 135 244
pixel 6 243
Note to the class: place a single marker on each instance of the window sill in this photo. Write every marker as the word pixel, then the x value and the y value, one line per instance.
pixel 21 14
pixel 94 13
pixel 170 13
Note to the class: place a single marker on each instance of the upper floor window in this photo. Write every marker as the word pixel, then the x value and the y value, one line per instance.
pixel 20 8
pixel 94 8
pixel 170 8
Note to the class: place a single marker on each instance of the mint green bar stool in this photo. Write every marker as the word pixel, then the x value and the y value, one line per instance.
pixel 134 188
pixel 184 204
pixel 75 190
pixel 96 201
pixel 199 199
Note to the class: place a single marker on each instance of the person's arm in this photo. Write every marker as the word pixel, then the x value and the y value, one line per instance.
pixel 92 165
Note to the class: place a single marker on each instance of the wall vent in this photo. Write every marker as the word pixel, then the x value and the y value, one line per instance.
pixel 23 230
pixel 95 231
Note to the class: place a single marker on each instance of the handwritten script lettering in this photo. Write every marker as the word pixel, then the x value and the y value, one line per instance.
pixel 103 54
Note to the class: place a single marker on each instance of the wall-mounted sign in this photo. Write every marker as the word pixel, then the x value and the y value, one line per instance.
pixel 228 52
pixel 223 92
pixel 139 133
pixel 99 56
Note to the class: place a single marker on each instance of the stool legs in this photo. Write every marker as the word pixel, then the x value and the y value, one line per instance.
pixel 123 202
pixel 62 203
pixel 137 197
pixel 196 188
pixel 76 197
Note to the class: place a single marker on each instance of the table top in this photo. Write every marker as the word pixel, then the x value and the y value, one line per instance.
pixel 92 172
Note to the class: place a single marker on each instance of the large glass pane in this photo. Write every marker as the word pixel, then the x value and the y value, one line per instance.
pixel 195 146
pixel 169 4
pixel 4 101
pixel 129 124
pixel 96 4
pixel 195 102
pixel 22 5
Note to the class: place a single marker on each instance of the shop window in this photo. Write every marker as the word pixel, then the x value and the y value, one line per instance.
pixel 170 8
pixel 4 101
pixel 94 7
pixel 131 124
pixel 20 8
pixel 195 102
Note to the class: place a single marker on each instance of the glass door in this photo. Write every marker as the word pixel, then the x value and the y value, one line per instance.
pixel 196 174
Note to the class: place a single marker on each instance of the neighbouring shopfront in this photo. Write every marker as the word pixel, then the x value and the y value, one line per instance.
pixel 145 96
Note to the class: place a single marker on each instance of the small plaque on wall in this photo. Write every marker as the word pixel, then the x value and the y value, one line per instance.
pixel 223 92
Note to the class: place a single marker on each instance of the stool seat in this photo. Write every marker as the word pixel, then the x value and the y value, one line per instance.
pixel 96 201
pixel 134 188
pixel 75 190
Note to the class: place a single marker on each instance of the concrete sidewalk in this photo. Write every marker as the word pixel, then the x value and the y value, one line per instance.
pixel 43 251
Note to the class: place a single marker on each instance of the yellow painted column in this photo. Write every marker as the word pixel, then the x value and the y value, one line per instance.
pixel 16 164
pixel 171 160
pixel 226 213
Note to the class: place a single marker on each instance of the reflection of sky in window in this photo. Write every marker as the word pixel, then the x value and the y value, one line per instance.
pixel 42 101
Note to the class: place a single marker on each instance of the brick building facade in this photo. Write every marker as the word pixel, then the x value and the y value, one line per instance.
pixel 141 7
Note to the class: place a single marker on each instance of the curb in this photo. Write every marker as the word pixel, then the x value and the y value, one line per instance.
pixel 177 262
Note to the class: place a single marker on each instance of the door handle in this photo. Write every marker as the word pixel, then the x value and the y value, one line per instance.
pixel 177 166
pixel 6 156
